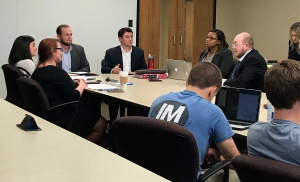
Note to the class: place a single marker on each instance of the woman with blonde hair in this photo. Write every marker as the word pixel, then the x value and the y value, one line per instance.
pixel 294 49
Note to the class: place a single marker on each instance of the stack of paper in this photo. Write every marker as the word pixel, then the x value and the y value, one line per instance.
pixel 78 77
pixel 101 87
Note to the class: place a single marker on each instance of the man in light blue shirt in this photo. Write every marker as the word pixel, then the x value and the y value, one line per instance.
pixel 193 110
pixel 279 139
pixel 66 56
pixel 73 57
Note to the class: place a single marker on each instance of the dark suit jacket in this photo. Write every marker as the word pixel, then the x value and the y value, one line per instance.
pixel 78 59
pixel 293 54
pixel 250 73
pixel 223 60
pixel 113 57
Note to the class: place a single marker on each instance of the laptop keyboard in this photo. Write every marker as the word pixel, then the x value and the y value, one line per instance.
pixel 239 123
pixel 239 127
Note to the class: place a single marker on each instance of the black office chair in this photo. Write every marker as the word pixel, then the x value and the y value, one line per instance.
pixel 162 147
pixel 11 74
pixel 36 102
pixel 253 168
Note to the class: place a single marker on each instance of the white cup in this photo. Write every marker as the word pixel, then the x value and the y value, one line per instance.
pixel 123 77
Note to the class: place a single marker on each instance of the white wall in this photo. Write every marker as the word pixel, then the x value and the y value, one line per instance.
pixel 268 21
pixel 95 24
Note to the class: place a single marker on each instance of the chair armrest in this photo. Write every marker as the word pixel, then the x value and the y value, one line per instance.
pixel 63 115
pixel 67 104
pixel 215 168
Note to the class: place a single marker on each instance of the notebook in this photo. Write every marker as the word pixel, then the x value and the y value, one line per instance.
pixel 85 73
pixel 155 71
pixel 240 106
pixel 178 69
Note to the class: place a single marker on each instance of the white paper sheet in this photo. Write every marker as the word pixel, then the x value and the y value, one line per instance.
pixel 78 77
pixel 79 72
pixel 223 80
pixel 101 87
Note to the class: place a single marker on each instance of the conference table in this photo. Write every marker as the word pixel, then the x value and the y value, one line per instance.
pixel 142 92
pixel 54 154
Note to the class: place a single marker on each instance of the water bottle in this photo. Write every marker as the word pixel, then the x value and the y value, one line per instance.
pixel 150 62
pixel 270 112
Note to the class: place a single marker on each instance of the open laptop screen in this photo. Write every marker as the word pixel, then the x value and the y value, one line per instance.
pixel 178 69
pixel 239 104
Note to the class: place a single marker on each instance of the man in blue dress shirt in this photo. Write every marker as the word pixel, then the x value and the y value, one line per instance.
pixel 73 57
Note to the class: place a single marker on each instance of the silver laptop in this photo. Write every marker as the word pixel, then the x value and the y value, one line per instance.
pixel 178 69
pixel 240 106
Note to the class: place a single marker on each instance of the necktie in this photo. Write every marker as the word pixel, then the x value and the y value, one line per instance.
pixel 234 70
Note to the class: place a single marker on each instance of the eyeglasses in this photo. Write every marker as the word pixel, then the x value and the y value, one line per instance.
pixel 60 48
pixel 237 44
pixel 211 38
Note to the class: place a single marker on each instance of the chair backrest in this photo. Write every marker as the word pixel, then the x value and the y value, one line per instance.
pixel 254 168
pixel 35 99
pixel 162 147
pixel 102 62
pixel 11 74
pixel 36 102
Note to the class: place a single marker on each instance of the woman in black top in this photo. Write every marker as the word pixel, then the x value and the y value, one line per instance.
pixel 294 49
pixel 60 88
pixel 217 52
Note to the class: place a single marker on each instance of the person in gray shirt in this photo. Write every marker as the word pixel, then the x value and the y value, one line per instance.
pixel 279 139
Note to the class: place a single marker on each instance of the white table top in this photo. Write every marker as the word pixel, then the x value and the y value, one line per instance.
pixel 55 154
pixel 143 92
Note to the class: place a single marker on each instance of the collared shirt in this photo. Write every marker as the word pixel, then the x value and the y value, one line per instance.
pixel 241 59
pixel 126 56
pixel 66 59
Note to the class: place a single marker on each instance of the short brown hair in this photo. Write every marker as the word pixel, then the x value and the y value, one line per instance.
pixel 46 48
pixel 58 29
pixel 282 84
pixel 204 75
pixel 122 31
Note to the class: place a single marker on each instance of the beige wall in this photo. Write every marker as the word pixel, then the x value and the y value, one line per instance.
pixel 268 21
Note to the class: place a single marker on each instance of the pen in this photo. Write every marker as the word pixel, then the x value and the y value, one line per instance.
pixel 107 89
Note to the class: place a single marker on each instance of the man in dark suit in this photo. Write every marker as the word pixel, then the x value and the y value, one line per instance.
pixel 125 57
pixel 73 58
pixel 250 70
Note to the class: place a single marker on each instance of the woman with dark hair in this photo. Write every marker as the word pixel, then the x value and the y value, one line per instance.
pixel 21 54
pixel 217 52
pixel 60 88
